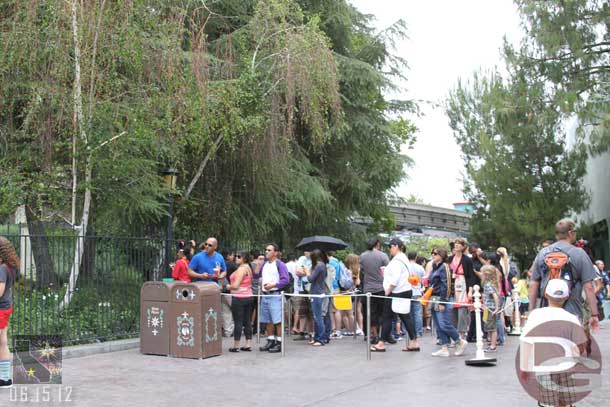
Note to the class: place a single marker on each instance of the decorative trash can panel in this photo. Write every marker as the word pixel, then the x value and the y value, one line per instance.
pixel 196 330
pixel 154 313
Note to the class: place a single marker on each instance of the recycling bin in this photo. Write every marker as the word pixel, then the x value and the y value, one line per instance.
pixel 154 317
pixel 196 321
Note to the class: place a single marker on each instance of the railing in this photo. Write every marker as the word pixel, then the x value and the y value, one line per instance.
pixel 104 301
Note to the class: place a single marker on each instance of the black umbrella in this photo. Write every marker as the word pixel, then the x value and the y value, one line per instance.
pixel 324 243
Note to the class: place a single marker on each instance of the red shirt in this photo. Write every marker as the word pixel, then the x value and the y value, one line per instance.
pixel 180 271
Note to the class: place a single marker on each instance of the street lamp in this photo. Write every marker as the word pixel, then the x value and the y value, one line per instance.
pixel 170 176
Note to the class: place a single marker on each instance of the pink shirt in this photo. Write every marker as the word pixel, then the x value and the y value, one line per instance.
pixel 245 287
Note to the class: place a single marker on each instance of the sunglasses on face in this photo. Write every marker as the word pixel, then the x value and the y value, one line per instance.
pixel 435 254
pixel 209 245
pixel 237 256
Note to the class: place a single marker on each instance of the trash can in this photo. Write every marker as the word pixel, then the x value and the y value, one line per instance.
pixel 196 324
pixel 154 317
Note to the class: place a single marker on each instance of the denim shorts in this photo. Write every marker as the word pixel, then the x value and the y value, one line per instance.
pixel 271 309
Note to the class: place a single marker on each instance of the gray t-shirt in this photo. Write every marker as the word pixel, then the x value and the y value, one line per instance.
pixel 6 300
pixel 582 269
pixel 370 262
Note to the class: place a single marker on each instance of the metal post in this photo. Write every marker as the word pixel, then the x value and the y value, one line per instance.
pixel 258 315
pixel 169 236
pixel 355 312
pixel 368 326
pixel 282 327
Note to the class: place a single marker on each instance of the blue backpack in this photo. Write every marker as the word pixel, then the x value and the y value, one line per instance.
pixel 345 277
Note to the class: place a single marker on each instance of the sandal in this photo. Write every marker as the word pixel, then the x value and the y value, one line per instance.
pixel 376 349
pixel 234 350
pixel 316 344
pixel 246 349
pixel 411 349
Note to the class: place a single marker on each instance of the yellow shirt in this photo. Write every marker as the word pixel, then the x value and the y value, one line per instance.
pixel 523 291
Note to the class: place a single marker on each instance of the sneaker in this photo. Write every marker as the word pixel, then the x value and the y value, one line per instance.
pixel 490 350
pixel 451 345
pixel 443 353
pixel 428 328
pixel 336 335
pixel 6 384
pixel 277 348
pixel 438 342
pixel 460 348
pixel 359 332
pixel 270 344
pixel 347 333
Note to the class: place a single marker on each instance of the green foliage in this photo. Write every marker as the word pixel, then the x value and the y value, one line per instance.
pixel 567 44
pixel 521 178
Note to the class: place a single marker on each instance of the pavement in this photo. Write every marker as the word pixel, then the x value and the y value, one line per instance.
pixel 335 375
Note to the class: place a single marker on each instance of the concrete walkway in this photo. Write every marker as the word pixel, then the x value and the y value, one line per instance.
pixel 336 375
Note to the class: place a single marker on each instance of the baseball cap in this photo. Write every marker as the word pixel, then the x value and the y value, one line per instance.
pixel 557 288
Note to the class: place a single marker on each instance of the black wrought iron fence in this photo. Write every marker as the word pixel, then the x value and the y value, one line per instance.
pixel 96 301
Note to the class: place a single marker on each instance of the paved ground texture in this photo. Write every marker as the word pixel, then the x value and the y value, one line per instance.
pixel 335 375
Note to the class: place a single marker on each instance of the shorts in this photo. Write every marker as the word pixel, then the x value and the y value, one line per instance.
pixel 5 315
pixel 377 308
pixel 490 324
pixel 524 308
pixel 271 309
pixel 302 305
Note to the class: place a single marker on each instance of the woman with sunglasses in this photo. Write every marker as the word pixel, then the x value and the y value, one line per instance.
pixel 442 296
pixel 240 287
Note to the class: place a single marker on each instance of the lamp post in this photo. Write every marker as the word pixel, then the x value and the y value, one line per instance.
pixel 170 177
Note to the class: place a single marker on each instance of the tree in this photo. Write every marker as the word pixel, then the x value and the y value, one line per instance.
pixel 521 177
pixel 567 44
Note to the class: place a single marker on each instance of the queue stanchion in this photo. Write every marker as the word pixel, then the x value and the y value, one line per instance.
pixel 516 331
pixel 480 359
pixel 283 345
pixel 258 316
pixel 368 326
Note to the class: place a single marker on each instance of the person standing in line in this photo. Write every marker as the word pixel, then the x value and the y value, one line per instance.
pixel 9 265
pixel 396 284
pixel 372 261
pixel 463 279
pixel 442 296
pixel 274 277
pixel 240 287
pixel 317 278
pixel 416 307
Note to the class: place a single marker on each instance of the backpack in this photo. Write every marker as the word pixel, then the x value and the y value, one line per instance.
pixel 345 277
pixel 556 264
pixel 288 288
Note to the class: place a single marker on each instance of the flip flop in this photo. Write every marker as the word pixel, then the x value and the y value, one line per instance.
pixel 246 349
pixel 316 344
pixel 411 349
pixel 376 349
pixel 234 350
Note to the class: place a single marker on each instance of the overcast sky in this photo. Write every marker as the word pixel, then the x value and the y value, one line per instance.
pixel 448 39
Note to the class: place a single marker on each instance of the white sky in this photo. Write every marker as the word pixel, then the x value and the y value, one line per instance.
pixel 448 39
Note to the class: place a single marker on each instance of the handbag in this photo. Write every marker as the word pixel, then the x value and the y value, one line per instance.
pixel 401 305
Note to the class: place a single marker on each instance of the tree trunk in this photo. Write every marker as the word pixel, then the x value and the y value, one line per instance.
pixel 45 269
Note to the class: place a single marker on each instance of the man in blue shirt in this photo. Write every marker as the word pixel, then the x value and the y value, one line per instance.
pixel 208 265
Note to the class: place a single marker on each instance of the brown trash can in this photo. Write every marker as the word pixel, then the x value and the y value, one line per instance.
pixel 196 324
pixel 154 317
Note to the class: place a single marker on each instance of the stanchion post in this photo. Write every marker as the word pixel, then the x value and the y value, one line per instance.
pixel 355 313
pixel 480 359
pixel 516 331
pixel 258 316
pixel 282 327
pixel 368 326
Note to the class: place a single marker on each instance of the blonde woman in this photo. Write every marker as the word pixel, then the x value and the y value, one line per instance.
pixel 9 265
pixel 352 262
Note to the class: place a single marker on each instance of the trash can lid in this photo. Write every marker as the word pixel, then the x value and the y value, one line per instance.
pixel 193 292
pixel 156 291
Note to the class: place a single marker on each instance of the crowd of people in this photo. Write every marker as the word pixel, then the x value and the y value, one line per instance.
pixel 446 278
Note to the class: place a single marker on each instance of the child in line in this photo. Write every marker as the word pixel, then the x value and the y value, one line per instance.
pixel 524 301
pixel 9 265
pixel 491 302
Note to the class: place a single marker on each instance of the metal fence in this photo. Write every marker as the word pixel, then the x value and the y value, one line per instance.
pixel 103 303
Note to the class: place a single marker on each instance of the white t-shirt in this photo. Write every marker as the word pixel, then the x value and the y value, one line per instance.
pixel 419 271
pixel 271 274
pixel 292 269
pixel 547 314
pixel 397 274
